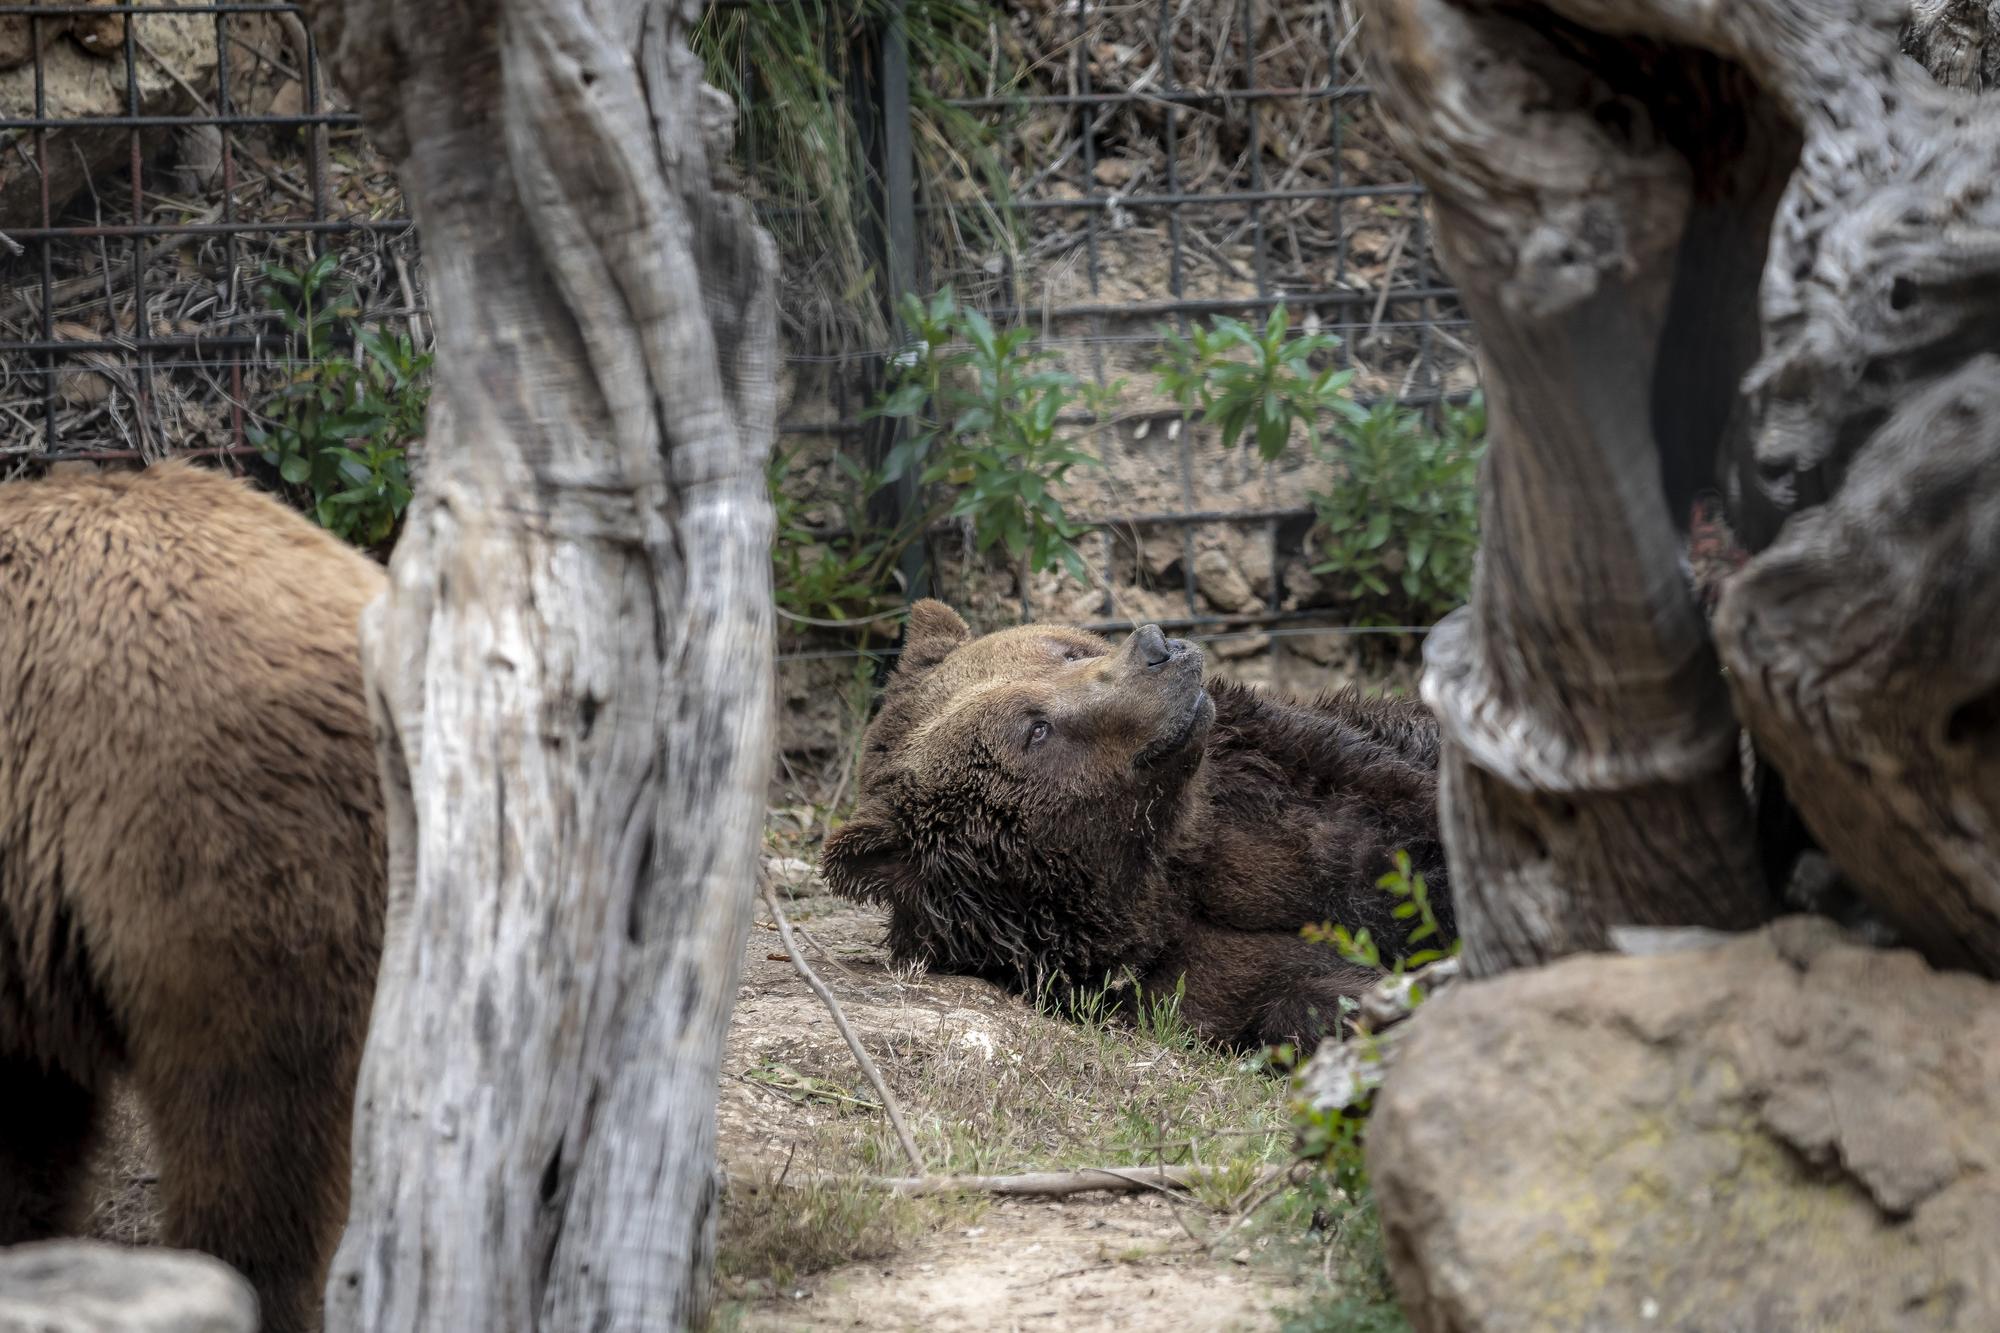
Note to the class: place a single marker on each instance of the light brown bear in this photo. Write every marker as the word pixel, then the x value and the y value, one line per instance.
pixel 1046 811
pixel 192 860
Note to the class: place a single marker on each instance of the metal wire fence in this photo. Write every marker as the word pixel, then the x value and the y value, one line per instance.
pixel 152 158
pixel 1173 161
pixel 1169 160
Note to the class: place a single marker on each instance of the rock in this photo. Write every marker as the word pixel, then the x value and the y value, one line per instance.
pixel 81 1286
pixel 1303 588
pixel 791 872
pixel 1785 1131
pixel 1236 648
pixel 816 714
pixel 179 54
pixel 1222 582
pixel 16 38
pixel 101 35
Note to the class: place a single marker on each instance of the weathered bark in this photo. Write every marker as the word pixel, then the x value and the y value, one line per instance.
pixel 1958 41
pixel 1590 765
pixel 571 674
pixel 1609 178
pixel 1865 646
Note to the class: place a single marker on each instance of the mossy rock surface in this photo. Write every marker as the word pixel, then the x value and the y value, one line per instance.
pixel 1785 1132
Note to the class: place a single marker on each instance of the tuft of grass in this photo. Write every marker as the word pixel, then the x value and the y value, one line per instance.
pixel 1341 1234
pixel 776 1231
pixel 1105 1085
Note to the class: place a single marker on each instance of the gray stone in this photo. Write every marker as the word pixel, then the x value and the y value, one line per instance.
pixel 176 52
pixel 1787 1131
pixel 81 1286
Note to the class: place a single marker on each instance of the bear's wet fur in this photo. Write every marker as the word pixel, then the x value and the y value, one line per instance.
pixel 192 861
pixel 1055 814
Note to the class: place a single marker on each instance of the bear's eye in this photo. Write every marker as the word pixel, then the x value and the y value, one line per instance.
pixel 1038 731
pixel 1072 653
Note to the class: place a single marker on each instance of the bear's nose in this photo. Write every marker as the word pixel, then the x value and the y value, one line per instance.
pixel 1152 646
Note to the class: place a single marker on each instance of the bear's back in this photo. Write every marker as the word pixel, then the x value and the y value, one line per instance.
pixel 187 776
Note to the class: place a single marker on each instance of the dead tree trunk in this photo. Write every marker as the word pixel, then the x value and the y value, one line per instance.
pixel 1958 41
pixel 1750 243
pixel 570 675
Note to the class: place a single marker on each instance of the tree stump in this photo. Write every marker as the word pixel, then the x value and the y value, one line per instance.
pixel 571 674
pixel 1753 246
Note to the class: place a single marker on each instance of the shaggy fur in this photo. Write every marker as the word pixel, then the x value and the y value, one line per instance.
pixel 1041 809
pixel 191 860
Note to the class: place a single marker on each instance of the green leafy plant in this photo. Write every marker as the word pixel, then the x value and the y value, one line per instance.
pixel 984 441
pixel 1413 897
pixel 340 427
pixel 1400 524
pixel 983 410
pixel 1258 380
pixel 842 576
pixel 1330 1130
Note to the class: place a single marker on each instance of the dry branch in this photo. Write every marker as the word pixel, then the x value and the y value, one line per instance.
pixel 1083 1180
pixel 861 1056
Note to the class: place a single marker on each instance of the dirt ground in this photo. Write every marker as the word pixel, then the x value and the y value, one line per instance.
pixel 989 1086
pixel 1093 1261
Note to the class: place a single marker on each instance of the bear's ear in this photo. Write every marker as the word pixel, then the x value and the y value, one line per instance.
pixel 929 636
pixel 868 860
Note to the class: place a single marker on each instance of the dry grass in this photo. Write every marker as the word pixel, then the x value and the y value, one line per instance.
pixel 999 1089
pixel 780 1228
pixel 125 1210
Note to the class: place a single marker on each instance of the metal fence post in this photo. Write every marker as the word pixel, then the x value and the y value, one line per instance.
pixel 883 114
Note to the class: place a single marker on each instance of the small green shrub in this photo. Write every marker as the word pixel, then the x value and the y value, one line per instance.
pixel 843 577
pixel 1400 524
pixel 340 428
pixel 984 440
pixel 983 412
pixel 1333 1138
pixel 1414 901
pixel 1263 381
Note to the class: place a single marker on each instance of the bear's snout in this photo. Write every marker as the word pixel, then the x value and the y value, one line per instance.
pixel 1149 649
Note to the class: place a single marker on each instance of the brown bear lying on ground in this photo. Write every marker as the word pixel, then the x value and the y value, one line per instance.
pixel 192 861
pixel 1043 810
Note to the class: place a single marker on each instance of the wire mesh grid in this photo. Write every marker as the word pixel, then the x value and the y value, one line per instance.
pixel 1177 159
pixel 1171 159
pixel 153 158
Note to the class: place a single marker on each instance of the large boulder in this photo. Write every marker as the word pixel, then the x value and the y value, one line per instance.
pixel 1782 1131
pixel 89 1287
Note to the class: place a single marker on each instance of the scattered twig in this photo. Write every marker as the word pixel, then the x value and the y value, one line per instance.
pixel 409 291
pixel 1058 1184
pixel 825 953
pixel 1388 282
pixel 861 1056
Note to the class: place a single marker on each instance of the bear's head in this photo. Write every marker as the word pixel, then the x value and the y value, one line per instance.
pixel 1018 792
